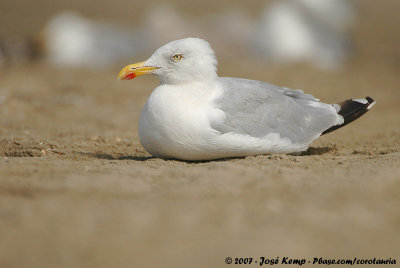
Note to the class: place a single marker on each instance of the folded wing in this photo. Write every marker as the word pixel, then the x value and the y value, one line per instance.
pixel 257 108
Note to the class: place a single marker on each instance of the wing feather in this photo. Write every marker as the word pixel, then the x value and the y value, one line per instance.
pixel 257 108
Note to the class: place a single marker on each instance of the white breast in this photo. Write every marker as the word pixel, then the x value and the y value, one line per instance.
pixel 174 122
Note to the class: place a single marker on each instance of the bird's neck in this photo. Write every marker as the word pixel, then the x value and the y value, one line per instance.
pixel 200 90
pixel 182 79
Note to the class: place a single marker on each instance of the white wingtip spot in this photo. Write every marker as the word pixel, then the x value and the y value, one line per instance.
pixel 370 106
pixel 363 101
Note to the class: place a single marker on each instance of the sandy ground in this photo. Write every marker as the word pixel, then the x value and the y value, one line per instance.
pixel 78 190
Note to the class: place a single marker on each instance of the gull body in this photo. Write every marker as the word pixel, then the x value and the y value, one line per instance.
pixel 195 115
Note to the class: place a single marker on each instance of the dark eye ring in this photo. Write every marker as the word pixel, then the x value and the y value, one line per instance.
pixel 177 57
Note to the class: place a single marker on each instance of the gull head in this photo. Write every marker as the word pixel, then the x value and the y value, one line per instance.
pixel 178 62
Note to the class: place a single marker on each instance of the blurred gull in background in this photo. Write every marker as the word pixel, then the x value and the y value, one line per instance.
pixel 313 31
pixel 288 31
pixel 70 40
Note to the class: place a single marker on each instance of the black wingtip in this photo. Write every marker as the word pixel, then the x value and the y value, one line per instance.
pixel 371 102
pixel 351 110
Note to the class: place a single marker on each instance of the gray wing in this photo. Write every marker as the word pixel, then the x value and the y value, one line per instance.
pixel 257 108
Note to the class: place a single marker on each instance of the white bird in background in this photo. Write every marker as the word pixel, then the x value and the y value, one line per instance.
pixel 195 115
pixel 71 40
pixel 314 31
pixel 288 31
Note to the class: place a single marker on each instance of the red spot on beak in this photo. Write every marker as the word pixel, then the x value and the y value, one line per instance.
pixel 130 76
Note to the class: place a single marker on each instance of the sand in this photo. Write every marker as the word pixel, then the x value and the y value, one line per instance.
pixel 78 190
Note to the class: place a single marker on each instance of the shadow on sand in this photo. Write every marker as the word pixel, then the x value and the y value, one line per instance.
pixel 114 157
pixel 318 150
pixel 99 155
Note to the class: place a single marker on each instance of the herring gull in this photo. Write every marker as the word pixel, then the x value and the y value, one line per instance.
pixel 195 115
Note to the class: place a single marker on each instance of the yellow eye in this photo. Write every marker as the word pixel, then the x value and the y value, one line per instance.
pixel 177 57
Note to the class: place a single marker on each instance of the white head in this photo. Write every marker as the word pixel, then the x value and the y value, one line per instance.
pixel 178 62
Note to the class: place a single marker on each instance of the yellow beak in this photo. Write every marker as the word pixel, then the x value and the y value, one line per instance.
pixel 137 69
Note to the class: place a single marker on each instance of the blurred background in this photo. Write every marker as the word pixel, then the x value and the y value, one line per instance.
pixel 78 190
pixel 328 34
